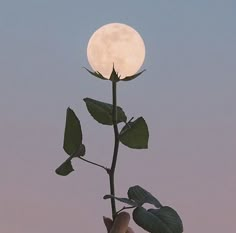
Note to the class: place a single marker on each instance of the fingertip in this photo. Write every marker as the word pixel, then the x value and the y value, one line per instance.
pixel 121 223
pixel 124 215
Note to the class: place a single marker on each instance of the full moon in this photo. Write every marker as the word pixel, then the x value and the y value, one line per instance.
pixel 117 44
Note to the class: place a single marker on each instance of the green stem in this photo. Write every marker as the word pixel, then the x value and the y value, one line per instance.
pixel 116 147
pixel 125 208
pixel 96 164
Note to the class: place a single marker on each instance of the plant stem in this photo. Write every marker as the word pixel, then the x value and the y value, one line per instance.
pixel 96 164
pixel 116 147
pixel 125 208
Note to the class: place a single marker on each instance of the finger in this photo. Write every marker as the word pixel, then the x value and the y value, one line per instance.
pixel 108 223
pixel 121 223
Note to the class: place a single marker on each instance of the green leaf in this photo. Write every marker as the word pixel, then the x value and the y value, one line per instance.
pixel 135 134
pixel 73 133
pixel 141 196
pixel 102 112
pixel 80 152
pixel 164 220
pixel 128 78
pixel 170 217
pixel 149 221
pixel 124 200
pixel 96 74
pixel 114 76
pixel 65 168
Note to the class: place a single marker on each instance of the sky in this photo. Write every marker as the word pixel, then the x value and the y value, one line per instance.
pixel 187 97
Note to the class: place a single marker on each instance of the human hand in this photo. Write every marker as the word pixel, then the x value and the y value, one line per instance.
pixel 120 224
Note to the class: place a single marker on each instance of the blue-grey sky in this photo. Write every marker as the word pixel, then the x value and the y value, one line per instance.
pixel 187 96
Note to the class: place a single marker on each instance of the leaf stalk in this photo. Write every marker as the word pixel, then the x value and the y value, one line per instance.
pixel 96 164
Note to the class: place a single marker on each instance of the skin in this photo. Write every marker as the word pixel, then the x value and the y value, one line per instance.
pixel 120 224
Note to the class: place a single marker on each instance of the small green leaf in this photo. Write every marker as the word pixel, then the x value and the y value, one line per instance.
pixel 102 112
pixel 96 74
pixel 73 133
pixel 65 168
pixel 128 78
pixel 135 134
pixel 114 76
pixel 124 200
pixel 141 196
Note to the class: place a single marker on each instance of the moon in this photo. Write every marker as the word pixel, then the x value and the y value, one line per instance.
pixel 117 44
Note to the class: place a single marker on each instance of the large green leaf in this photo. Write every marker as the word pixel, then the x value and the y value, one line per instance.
pixel 102 112
pixel 73 133
pixel 135 134
pixel 65 168
pixel 170 217
pixel 128 78
pixel 164 220
pixel 149 221
pixel 121 199
pixel 141 196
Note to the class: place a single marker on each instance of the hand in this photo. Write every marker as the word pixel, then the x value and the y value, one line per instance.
pixel 120 224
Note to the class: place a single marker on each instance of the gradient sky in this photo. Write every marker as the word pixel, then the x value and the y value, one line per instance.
pixel 187 96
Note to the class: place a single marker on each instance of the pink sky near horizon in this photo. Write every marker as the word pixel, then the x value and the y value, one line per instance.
pixel 187 97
